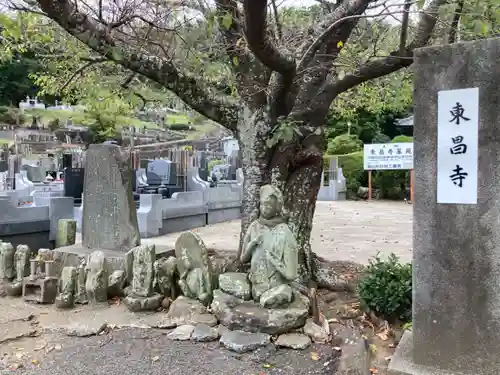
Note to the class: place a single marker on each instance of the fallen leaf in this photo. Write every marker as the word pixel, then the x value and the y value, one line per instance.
pixel 373 348
pixel 333 320
pixel 156 358
pixel 19 355
pixel 35 362
pixel 337 348
pixel 267 365
pixel 57 347
pixel 388 358
pixel 314 356
pixel 373 371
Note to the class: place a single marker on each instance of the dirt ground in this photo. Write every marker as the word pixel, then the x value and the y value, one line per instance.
pixel 347 233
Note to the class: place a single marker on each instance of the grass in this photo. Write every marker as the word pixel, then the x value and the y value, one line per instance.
pixel 5 141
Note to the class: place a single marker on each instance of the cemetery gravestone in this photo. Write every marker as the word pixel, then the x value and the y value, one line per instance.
pixel 109 216
pixel 456 255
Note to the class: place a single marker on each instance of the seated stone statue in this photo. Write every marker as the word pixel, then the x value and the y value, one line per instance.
pixel 192 281
pixel 273 252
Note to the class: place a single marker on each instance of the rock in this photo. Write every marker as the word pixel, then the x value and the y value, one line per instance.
pixel 187 311
pixel 22 268
pixel 116 283
pixel 315 332
pixel 136 304
pixel 165 304
pixel 165 272
pixel 85 329
pixel 248 316
pixel 236 284
pixel 181 333
pixel 355 358
pixel 243 342
pixel 96 282
pixel 67 288
pixel 293 341
pixel 204 333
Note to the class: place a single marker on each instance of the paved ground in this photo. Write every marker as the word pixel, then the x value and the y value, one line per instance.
pixel 346 230
pixel 353 231
pixel 136 351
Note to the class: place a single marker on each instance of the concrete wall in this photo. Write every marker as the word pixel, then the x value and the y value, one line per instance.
pixel 34 224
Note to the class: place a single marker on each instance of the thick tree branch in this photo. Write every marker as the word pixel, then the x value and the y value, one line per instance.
pixel 259 41
pixel 452 38
pixel 404 27
pixel 395 61
pixel 251 76
pixel 188 88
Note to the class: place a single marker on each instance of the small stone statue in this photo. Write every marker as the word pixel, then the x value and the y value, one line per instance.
pixel 22 264
pixel 142 296
pixel 81 278
pixel 165 271
pixel 67 288
pixel 195 268
pixel 7 270
pixel 96 284
pixel 272 250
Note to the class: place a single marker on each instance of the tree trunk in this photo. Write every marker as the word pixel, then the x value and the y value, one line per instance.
pixel 296 168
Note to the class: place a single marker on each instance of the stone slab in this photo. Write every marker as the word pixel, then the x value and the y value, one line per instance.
pixel 109 218
pixel 402 362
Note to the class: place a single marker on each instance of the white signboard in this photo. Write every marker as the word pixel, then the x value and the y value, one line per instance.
pixel 380 156
pixel 457 144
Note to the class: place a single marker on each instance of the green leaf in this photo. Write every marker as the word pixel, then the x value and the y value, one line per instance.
pixel 236 62
pixel 227 20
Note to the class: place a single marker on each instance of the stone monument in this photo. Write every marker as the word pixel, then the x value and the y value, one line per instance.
pixel 96 282
pixel 109 220
pixel 456 252
pixel 195 269
pixel 272 251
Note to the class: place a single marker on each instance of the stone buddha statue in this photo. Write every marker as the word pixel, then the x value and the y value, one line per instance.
pixel 272 250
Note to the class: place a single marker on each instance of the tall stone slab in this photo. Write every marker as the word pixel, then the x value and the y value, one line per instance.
pixel 456 251
pixel 109 215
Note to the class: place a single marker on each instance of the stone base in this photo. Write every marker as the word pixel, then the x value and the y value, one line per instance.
pixel 137 303
pixel 402 361
pixel 248 316
pixel 40 290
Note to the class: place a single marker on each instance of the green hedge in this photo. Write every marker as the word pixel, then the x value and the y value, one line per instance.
pixel 391 184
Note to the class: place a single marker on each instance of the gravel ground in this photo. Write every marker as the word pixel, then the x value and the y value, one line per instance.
pixel 137 351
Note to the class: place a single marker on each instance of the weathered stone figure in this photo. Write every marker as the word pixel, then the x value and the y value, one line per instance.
pixel 142 296
pixel 165 272
pixel 272 250
pixel 195 268
pixel 7 270
pixel 22 266
pixel 96 284
pixel 81 278
pixel 67 288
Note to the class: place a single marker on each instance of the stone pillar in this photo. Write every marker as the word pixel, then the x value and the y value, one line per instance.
pixel 66 232
pixel 456 251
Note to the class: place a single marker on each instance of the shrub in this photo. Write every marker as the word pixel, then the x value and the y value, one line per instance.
pixel 212 163
pixel 180 127
pixel 386 289
pixel 10 115
pixel 344 144
pixel 355 175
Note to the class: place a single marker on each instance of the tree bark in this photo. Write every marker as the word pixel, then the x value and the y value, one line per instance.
pixel 296 168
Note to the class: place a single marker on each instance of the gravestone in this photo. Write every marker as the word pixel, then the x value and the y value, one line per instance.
pixel 456 254
pixel 161 172
pixel 109 219
pixel 73 183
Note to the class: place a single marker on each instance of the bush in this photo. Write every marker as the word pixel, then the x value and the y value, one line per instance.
pixel 10 116
pixel 344 144
pixel 180 127
pixel 386 289
pixel 355 175
pixel 393 184
pixel 212 163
